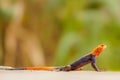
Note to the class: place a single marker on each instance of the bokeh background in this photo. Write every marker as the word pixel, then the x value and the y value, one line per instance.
pixel 57 32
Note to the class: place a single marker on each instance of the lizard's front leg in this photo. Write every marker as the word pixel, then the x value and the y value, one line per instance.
pixel 94 66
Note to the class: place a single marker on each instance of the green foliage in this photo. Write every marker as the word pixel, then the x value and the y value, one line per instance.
pixel 6 15
pixel 95 22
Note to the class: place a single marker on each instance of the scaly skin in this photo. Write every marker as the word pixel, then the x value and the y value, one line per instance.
pixel 75 66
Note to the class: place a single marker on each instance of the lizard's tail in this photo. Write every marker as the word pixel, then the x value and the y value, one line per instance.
pixel 28 68
pixel 5 67
pixel 60 68
pixel 40 68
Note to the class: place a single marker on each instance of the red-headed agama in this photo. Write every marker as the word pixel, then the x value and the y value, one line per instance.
pixel 75 66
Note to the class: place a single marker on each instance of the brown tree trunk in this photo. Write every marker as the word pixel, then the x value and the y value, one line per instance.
pixel 21 45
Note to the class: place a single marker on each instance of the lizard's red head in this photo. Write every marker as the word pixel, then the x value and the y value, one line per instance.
pixel 99 49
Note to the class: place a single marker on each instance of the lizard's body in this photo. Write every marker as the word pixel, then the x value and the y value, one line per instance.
pixel 89 58
pixel 84 61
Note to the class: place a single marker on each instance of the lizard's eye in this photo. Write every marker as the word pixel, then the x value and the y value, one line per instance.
pixel 103 46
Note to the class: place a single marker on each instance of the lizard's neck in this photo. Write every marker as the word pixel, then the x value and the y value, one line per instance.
pixel 97 51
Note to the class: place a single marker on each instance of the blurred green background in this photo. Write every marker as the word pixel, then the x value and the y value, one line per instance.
pixel 57 32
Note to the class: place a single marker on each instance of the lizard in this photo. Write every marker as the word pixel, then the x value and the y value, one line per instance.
pixel 75 66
